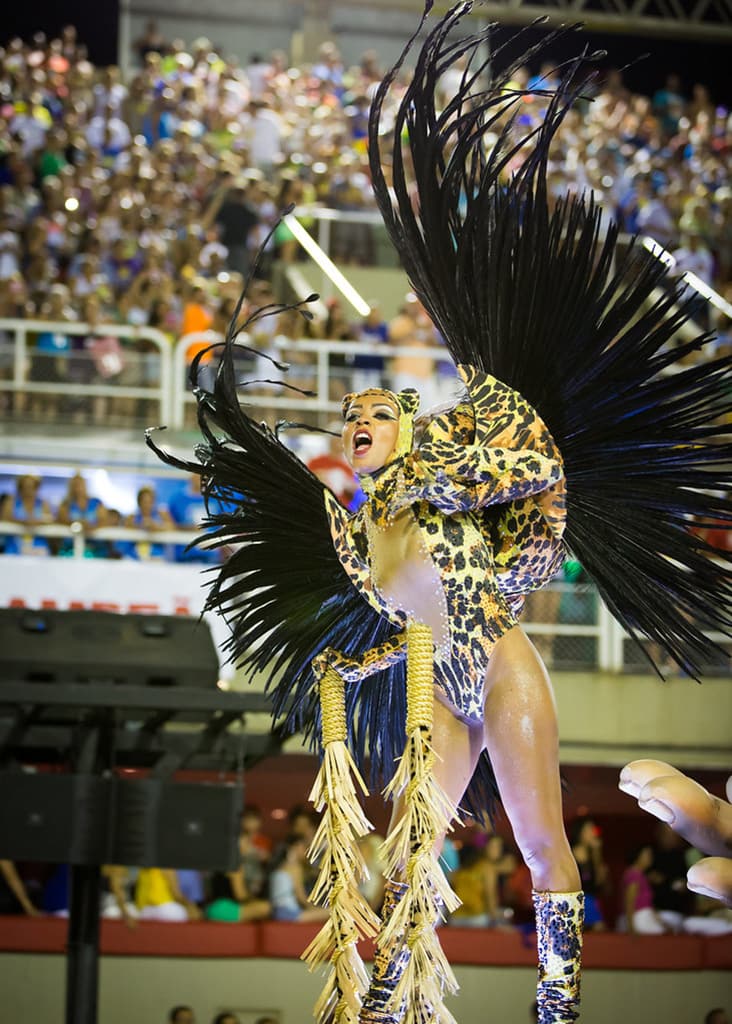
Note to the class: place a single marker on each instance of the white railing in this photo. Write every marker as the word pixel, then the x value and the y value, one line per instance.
pixel 317 374
pixel 80 534
pixel 22 381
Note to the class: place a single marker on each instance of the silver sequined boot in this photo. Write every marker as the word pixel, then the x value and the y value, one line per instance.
pixel 389 964
pixel 559 920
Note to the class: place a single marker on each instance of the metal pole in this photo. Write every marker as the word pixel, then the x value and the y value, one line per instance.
pixel 82 954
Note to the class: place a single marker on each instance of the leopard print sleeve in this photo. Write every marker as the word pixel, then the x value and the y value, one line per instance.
pixel 456 478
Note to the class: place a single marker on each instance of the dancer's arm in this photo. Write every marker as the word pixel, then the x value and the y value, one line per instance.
pixel 457 478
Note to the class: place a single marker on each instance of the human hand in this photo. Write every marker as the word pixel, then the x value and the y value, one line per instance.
pixel 702 819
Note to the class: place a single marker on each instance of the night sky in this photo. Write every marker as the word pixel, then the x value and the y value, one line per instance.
pixel 97 22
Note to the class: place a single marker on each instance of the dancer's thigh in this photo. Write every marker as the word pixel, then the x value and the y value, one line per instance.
pixel 457 747
pixel 522 739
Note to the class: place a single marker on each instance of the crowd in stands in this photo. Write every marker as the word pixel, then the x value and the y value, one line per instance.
pixel 28 508
pixel 142 201
pixel 273 880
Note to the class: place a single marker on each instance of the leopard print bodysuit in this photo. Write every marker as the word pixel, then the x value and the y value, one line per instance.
pixel 485 489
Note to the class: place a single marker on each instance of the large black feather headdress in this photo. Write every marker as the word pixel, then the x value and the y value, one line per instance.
pixel 541 296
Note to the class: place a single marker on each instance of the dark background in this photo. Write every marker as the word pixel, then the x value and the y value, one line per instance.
pixel 97 22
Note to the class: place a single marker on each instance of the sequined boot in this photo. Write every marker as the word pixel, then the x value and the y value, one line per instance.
pixel 389 964
pixel 559 921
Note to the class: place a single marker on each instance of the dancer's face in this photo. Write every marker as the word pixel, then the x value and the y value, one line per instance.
pixel 370 431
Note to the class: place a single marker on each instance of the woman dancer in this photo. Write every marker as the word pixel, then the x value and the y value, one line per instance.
pixel 430 574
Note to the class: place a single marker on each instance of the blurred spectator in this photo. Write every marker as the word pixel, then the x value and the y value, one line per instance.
pixel 337 328
pixel 158 897
pixel 149 516
pixel 290 328
pixel 78 507
pixel 693 257
pixel 654 217
pixel 117 902
pixel 28 508
pixel 191 885
pixel 151 41
pixel 237 895
pixel 502 863
pixel 669 103
pixel 181 1015
pixel 287 891
pixel 198 320
pixel 290 194
pixel 258 73
pixel 518 892
pixel 231 900
pixel 640 916
pixel 231 210
pixel 368 370
pixel 716 1016
pixel 225 1018
pixel 9 248
pixel 303 821
pixel 114 549
pixel 50 358
pixel 100 357
pixel 473 882
pixel 412 328
pixel 667 873
pixel 586 842
pixel 14 897
pixel 7 543
pixel 263 134
pixel 255 849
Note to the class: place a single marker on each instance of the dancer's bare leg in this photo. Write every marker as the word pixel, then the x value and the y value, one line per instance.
pixel 522 739
pixel 457 748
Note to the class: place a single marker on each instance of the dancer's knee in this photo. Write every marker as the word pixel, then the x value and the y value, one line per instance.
pixel 551 864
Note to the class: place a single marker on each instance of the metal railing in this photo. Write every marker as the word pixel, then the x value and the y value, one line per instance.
pixel 79 536
pixel 314 372
pixel 34 371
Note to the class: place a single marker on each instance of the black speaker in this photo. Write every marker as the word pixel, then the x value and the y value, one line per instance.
pixel 57 819
pixel 85 819
pixel 177 824
pixel 105 647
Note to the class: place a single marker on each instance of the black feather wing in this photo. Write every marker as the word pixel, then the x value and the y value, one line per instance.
pixel 540 295
pixel 282 588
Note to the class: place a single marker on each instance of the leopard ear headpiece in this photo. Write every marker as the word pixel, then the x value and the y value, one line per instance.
pixel 407 402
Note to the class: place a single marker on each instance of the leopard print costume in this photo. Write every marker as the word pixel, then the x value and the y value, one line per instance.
pixel 486 487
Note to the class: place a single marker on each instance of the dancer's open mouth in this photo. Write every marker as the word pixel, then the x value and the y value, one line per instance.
pixel 362 441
